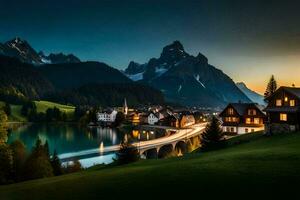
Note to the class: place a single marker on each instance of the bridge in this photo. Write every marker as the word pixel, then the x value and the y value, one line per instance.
pixel 177 140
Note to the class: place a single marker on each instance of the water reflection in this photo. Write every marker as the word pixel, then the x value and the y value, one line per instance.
pixel 69 140
pixel 66 138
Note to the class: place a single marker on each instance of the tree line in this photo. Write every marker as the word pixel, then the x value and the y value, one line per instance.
pixel 16 164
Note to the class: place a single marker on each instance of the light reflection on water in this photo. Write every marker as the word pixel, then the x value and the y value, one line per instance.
pixel 67 139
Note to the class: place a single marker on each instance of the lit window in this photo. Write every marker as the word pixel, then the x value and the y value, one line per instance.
pixel 283 117
pixel 292 102
pixel 256 120
pixel 278 102
pixel 251 112
pixel 248 120
pixel 230 119
pixel 230 111
pixel 286 99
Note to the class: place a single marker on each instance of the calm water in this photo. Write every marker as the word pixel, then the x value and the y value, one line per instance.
pixel 68 139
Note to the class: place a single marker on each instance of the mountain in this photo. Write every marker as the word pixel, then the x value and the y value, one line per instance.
pixel 186 79
pixel 74 75
pixel 21 49
pixel 58 58
pixel 20 81
pixel 86 83
pixel 253 96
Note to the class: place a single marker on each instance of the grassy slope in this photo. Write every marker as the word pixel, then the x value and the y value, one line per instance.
pixel 42 106
pixel 261 167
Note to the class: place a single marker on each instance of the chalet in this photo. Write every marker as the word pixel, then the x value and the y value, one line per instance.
pixel 107 115
pixel 240 118
pixel 153 118
pixel 186 119
pixel 283 110
pixel 170 120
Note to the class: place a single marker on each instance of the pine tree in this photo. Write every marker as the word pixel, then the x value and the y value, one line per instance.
pixel 38 163
pixel 127 154
pixel 6 163
pixel 56 164
pixel 212 138
pixel 271 87
pixel 19 156
pixel 46 147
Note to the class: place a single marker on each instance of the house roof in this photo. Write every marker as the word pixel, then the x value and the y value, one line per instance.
pixel 155 114
pixel 107 111
pixel 292 90
pixel 241 108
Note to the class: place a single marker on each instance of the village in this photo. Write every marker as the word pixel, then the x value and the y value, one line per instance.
pixel 154 116
pixel 281 114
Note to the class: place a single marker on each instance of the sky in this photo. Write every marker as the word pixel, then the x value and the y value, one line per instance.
pixel 248 40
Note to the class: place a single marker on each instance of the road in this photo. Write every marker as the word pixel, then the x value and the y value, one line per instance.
pixel 181 134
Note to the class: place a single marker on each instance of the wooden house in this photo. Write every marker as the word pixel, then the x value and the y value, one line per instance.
pixel 240 118
pixel 283 110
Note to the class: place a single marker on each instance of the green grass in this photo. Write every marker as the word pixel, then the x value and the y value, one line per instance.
pixel 261 167
pixel 42 106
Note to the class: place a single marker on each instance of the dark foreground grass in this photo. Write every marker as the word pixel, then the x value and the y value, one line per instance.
pixel 258 167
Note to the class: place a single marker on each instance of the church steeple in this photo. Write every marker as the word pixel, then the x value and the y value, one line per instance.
pixel 125 107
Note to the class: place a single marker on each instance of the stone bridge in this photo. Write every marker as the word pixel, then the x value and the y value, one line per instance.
pixel 181 141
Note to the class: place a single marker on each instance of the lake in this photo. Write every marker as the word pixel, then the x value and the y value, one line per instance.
pixel 67 139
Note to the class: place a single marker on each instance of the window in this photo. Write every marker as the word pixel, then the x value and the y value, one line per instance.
pixel 248 120
pixel 227 129
pixel 256 120
pixel 251 112
pixel 230 119
pixel 246 130
pixel 283 117
pixel 278 102
pixel 292 102
pixel 286 99
pixel 252 130
pixel 232 129
pixel 230 111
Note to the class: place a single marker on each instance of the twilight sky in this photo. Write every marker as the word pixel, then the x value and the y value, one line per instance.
pixel 248 40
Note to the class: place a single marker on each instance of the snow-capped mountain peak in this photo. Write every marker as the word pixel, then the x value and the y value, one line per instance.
pixel 22 50
pixel 186 79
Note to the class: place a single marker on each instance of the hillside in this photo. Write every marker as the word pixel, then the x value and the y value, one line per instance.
pixel 41 107
pixel 110 95
pixel 74 75
pixel 88 83
pixel 264 167
pixel 21 80
pixel 186 79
